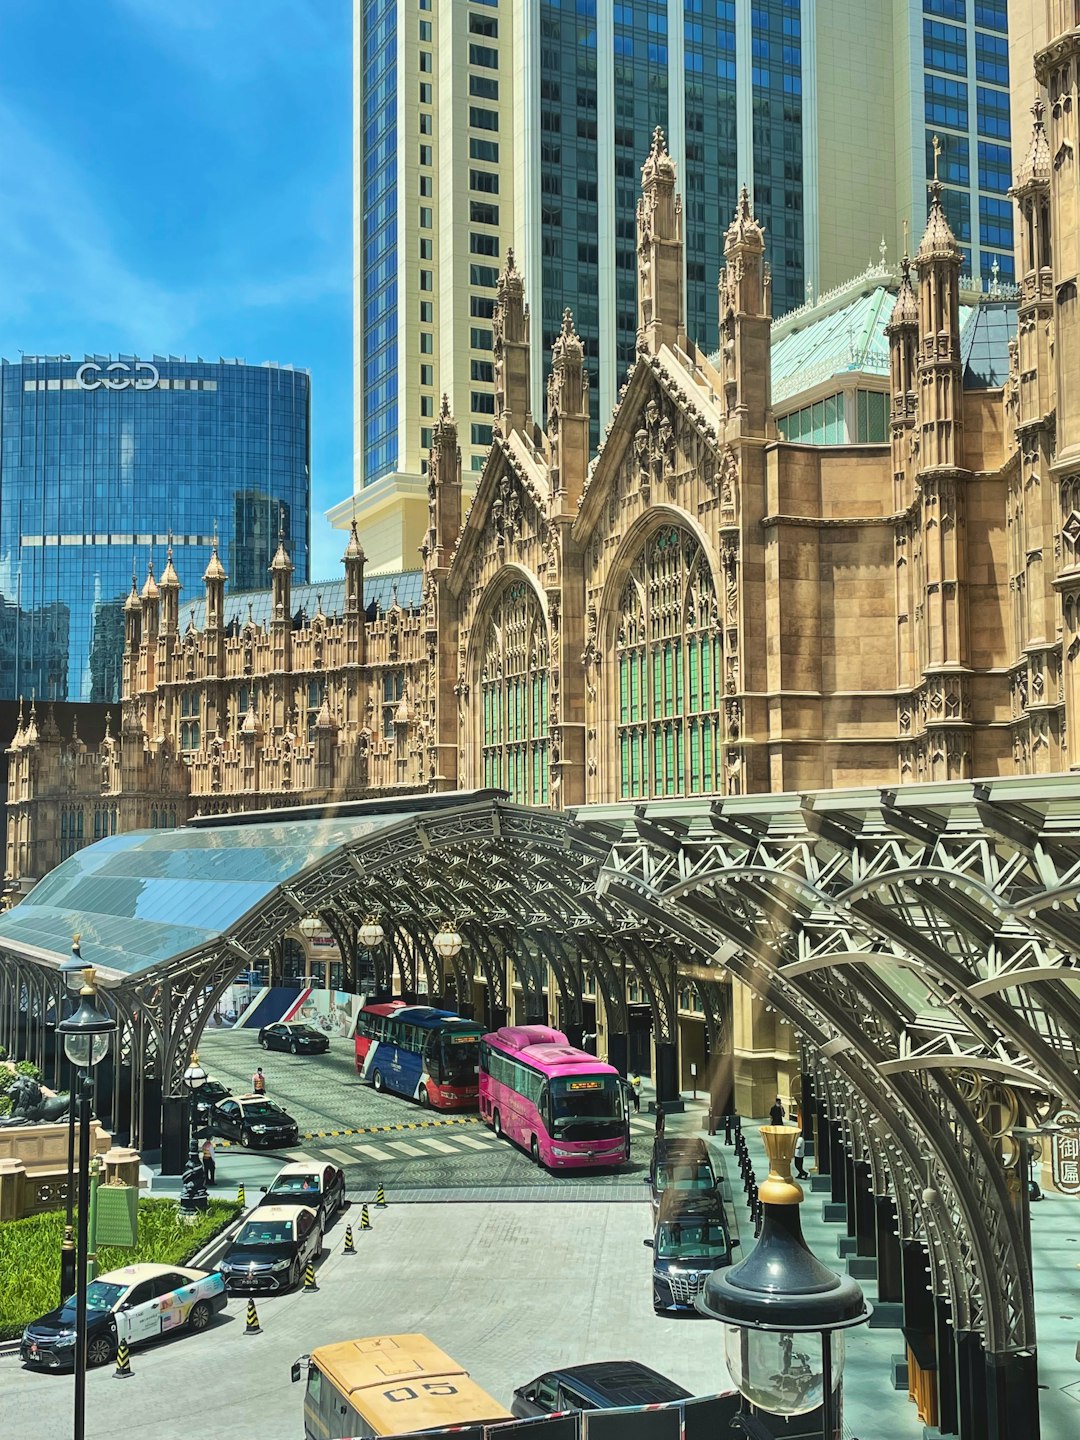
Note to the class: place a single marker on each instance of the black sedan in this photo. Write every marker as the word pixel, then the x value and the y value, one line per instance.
pixel 254 1121
pixel 296 1039
pixel 304 1182
pixel 206 1097
pixel 272 1248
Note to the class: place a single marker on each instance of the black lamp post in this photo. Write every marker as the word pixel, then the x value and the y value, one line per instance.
pixel 86 1040
pixel 71 969
pixel 194 1196
pixel 783 1311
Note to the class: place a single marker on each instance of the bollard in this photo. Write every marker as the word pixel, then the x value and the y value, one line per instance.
pixel 738 1123
pixel 380 1197
pixel 350 1243
pixel 241 1198
pixel 253 1326
pixel 123 1369
pixel 309 1279
pixel 727 1129
pixel 365 1219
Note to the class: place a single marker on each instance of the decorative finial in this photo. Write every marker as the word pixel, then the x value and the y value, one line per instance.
pixel 281 524
pixel 659 146
pixel 883 251
pixel 444 409
pixel 568 321
pixel 935 145
pixel 905 237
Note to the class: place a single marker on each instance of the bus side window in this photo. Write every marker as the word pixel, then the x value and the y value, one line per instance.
pixel 544 1105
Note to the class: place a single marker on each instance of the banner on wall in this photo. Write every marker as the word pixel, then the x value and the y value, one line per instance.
pixel 331 1011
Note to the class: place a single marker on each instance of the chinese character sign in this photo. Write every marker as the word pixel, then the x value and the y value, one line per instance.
pixel 1065 1154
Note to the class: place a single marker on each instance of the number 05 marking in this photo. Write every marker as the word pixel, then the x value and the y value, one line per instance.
pixel 429 1387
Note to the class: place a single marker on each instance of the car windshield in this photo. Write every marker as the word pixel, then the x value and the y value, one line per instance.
pixel 263 1112
pixel 101 1297
pixel 595 1097
pixel 684 1177
pixel 684 1239
pixel 305 1032
pixel 265 1232
pixel 295 1185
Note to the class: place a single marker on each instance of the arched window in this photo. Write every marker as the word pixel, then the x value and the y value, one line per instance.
pixel 514 689
pixel 669 651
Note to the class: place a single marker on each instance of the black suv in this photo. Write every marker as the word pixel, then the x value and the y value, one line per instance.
pixel 691 1241
pixel 254 1121
pixel 605 1385
pixel 683 1164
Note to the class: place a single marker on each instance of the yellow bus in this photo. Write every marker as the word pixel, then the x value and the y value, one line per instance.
pixel 389 1385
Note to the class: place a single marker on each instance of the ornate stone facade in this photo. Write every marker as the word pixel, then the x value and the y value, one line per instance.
pixel 698 608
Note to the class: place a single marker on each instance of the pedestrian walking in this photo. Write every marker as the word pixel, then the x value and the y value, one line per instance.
pixel 258 1083
pixel 635 1090
pixel 209 1164
pixel 661 1119
pixel 800 1151
pixel 776 1114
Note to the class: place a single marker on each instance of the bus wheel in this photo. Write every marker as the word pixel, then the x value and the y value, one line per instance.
pixel 534 1150
pixel 496 1124
pixel 376 1080
pixel 425 1098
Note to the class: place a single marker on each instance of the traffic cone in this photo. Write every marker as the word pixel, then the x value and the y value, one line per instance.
pixel 365 1220
pixel 380 1197
pixel 350 1243
pixel 253 1326
pixel 309 1279
pixel 241 1198
pixel 123 1369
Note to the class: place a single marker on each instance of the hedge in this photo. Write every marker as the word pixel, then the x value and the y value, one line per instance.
pixel 30 1254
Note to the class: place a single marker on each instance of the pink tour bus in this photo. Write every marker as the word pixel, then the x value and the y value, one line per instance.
pixel 564 1106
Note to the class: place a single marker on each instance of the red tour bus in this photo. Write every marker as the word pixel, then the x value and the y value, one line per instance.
pixel 564 1106
pixel 429 1055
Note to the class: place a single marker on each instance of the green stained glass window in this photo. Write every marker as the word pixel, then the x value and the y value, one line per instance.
pixel 513 680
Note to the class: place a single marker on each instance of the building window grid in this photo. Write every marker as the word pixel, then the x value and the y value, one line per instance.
pixel 514 698
pixel 669 660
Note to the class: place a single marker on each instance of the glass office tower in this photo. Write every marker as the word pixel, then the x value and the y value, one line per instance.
pixel 101 462
pixel 482 125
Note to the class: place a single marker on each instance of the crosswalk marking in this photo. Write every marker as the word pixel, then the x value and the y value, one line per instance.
pixel 403 1147
pixel 472 1142
pixel 439 1145
pixel 341 1157
pixel 374 1151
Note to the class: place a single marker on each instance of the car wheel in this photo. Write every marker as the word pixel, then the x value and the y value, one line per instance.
pixel 534 1150
pixel 294 1276
pixel 496 1124
pixel 199 1318
pixel 101 1350
pixel 245 1139
pixel 424 1098
pixel 264 1042
pixel 293 1048
pixel 377 1081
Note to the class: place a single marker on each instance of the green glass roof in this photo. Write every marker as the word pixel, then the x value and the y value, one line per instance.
pixel 142 898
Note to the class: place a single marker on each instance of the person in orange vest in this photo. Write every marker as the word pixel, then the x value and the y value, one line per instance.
pixel 258 1082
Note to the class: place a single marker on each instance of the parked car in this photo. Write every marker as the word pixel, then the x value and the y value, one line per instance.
pixel 320 1187
pixel 272 1248
pixel 691 1240
pixel 681 1163
pixel 603 1385
pixel 296 1038
pixel 206 1097
pixel 140 1302
pixel 254 1121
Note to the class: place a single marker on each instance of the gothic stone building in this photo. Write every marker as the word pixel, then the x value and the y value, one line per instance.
pixel 698 608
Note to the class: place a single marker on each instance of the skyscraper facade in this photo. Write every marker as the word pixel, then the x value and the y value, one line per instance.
pixel 486 125
pixel 104 464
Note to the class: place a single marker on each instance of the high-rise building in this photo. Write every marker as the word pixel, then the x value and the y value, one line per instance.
pixel 485 125
pixel 103 465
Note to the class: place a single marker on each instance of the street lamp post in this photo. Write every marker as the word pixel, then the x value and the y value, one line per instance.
pixel 194 1196
pixel 447 943
pixel 71 969
pixel 784 1312
pixel 370 936
pixel 86 1035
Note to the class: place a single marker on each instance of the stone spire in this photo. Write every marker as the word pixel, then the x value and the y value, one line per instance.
pixel 151 603
pixel 745 304
pixel 938 261
pixel 905 313
pixel 938 242
pixel 444 490
pixel 169 588
pixel 661 302
pixel 568 416
pixel 903 333
pixel 1034 169
pixel 511 349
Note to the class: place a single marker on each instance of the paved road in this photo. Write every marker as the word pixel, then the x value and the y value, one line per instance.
pixel 325 1094
pixel 509 1290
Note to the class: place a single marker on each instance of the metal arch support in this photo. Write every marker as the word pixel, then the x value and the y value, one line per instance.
pixel 479 943
pixel 568 975
pixel 529 972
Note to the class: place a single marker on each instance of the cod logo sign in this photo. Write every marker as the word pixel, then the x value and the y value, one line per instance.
pixel 117 376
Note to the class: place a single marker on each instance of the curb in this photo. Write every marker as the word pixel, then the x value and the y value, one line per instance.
pixel 367 1130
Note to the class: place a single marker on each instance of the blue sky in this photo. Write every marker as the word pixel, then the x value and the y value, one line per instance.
pixel 175 176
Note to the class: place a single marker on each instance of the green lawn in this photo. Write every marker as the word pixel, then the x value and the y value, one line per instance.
pixel 30 1254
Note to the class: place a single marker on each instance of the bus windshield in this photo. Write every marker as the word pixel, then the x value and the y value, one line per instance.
pixel 588 1104
pixel 459 1055
pixel 685 1240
